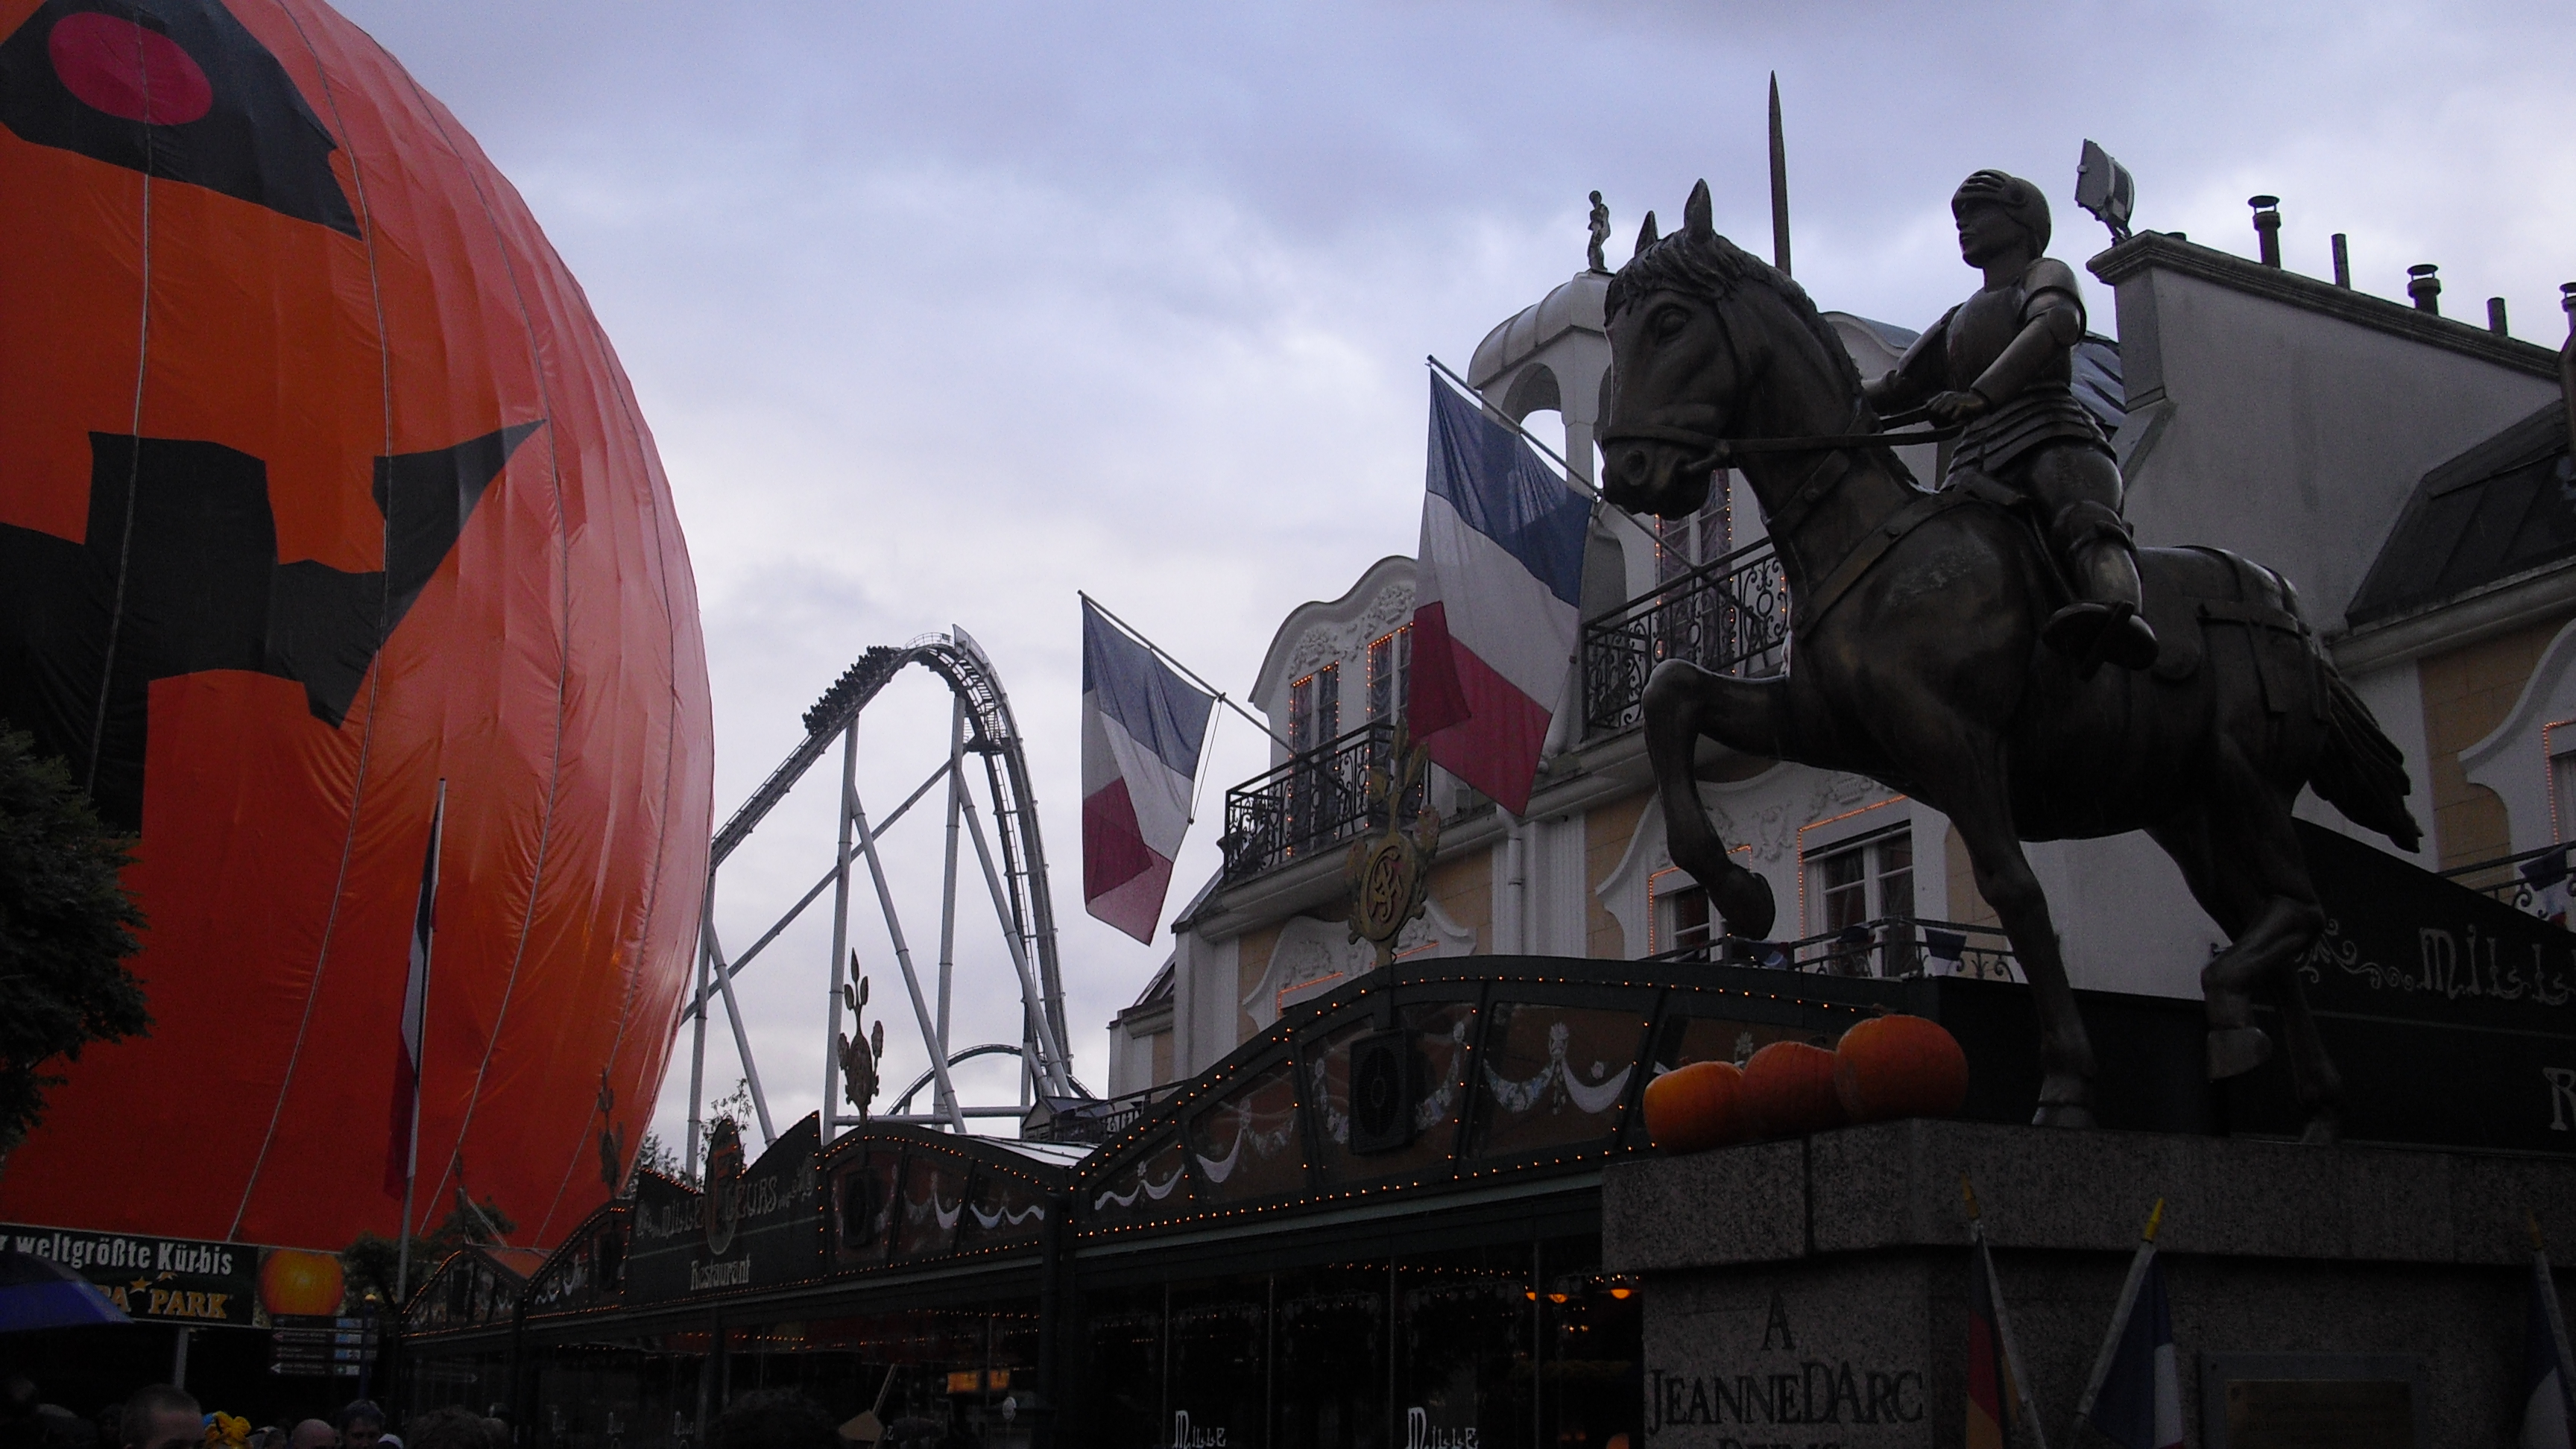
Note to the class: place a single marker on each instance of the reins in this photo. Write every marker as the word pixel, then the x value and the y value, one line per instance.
pixel 1721 450
pixel 1793 510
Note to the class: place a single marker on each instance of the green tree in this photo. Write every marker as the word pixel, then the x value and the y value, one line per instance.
pixel 66 927
pixel 651 1152
pixel 373 1261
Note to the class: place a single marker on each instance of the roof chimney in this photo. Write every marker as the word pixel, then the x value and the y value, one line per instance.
pixel 2267 227
pixel 2424 287
pixel 2342 262
pixel 2495 317
pixel 2567 364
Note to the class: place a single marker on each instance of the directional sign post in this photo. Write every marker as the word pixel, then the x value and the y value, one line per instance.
pixel 320 1345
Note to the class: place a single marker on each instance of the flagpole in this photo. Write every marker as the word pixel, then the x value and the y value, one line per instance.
pixel 1198 781
pixel 2120 1313
pixel 1186 672
pixel 411 1157
pixel 2003 1320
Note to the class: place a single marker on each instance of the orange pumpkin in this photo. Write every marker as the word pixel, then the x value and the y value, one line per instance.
pixel 1789 1090
pixel 1900 1066
pixel 1693 1108
pixel 295 1281
pixel 366 507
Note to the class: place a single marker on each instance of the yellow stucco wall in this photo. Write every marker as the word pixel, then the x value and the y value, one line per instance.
pixel 1606 833
pixel 2467 693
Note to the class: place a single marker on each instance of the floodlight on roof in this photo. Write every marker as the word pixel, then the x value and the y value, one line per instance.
pixel 2105 188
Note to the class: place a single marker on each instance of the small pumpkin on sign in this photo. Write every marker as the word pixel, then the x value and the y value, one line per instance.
pixel 292 1280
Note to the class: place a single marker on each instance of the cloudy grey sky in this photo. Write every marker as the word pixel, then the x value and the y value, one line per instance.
pixel 942 312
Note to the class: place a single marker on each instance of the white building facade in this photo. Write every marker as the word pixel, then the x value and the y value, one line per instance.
pixel 2280 417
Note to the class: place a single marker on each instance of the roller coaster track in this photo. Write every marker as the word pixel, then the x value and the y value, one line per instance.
pixel 1018 880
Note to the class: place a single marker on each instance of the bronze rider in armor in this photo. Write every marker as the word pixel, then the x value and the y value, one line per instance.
pixel 2002 363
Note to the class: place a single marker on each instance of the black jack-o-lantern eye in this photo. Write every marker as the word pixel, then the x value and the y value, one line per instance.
pixel 177 90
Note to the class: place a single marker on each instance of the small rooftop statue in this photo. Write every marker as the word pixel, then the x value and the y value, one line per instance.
pixel 1600 232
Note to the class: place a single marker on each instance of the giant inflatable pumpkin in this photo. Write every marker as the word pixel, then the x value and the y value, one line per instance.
pixel 319 485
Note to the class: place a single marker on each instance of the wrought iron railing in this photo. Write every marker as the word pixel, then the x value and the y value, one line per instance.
pixel 1889 947
pixel 1315 802
pixel 1082 1120
pixel 2534 882
pixel 1730 616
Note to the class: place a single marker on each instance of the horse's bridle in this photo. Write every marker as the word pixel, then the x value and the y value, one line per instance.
pixel 1721 452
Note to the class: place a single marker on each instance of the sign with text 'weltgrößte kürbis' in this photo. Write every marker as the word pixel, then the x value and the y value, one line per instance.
pixel 168 1280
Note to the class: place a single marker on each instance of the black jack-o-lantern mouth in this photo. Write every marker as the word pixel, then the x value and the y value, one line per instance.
pixel 177 90
pixel 179 575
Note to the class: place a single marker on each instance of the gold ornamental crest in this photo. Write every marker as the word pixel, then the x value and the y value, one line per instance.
pixel 1389 872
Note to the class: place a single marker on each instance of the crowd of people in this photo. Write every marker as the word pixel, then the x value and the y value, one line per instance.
pixel 162 1417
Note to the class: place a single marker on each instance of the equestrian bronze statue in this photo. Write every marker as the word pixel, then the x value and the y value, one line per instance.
pixel 1922 626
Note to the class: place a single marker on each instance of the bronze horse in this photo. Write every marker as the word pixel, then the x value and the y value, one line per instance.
pixel 1918 662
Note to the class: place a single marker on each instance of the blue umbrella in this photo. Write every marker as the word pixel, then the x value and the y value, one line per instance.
pixel 41 1293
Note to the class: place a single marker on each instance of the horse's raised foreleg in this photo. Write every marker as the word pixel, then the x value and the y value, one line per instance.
pixel 1682 703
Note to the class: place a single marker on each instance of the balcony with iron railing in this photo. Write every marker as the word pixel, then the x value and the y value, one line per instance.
pixel 2534 882
pixel 1315 803
pixel 1729 616
pixel 1091 1120
pixel 1889 948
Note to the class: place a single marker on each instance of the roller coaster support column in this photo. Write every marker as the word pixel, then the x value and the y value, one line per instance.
pixel 698 1043
pixel 948 881
pixel 840 928
pixel 858 813
pixel 1058 1079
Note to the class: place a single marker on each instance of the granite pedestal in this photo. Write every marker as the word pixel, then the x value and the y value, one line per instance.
pixel 1812 1292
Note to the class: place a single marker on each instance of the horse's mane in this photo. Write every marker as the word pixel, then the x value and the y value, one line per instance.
pixel 1715 268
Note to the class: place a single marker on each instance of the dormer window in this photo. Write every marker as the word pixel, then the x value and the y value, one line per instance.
pixel 1390 666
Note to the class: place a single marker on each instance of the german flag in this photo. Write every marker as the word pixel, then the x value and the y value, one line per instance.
pixel 1990 1385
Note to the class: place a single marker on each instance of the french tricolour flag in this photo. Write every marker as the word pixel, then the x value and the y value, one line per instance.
pixel 1142 727
pixel 2135 1397
pixel 1497 598
pixel 403 1150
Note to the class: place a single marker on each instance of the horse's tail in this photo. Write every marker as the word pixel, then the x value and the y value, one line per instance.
pixel 2358 769
pixel 2361 772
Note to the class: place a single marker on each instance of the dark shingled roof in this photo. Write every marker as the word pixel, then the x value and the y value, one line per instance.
pixel 2504 507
